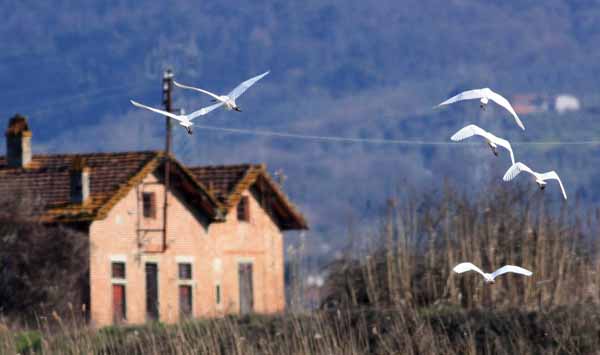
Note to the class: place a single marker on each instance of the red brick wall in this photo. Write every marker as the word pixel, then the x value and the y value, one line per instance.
pixel 215 250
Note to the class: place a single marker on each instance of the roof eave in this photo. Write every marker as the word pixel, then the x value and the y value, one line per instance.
pixel 293 219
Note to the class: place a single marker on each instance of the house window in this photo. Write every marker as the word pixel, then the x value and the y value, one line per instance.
pixel 149 202
pixel 185 271
pixel 118 270
pixel 185 289
pixel 218 294
pixel 243 209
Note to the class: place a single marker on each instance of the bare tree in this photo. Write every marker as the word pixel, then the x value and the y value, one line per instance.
pixel 43 267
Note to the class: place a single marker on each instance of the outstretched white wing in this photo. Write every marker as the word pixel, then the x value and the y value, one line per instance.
pixel 466 95
pixel 553 175
pixel 216 97
pixel 505 144
pixel 204 111
pixel 513 269
pixel 464 267
pixel 469 131
pixel 165 113
pixel 472 130
pixel 515 169
pixel 500 100
pixel 240 89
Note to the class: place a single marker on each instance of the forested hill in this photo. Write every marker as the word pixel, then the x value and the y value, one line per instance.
pixel 338 68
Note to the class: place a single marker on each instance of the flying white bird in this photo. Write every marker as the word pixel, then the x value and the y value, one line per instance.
pixel 489 278
pixel 540 179
pixel 184 120
pixel 484 95
pixel 493 141
pixel 229 99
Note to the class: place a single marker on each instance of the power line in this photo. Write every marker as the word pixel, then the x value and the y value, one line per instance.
pixel 76 100
pixel 373 140
pixel 106 92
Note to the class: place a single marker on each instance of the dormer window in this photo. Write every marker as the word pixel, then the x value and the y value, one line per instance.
pixel 149 204
pixel 243 209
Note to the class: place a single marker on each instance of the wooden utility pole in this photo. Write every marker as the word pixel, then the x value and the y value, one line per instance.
pixel 168 102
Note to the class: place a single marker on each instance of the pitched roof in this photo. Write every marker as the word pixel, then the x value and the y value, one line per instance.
pixel 222 180
pixel 112 175
pixel 228 182
pixel 215 189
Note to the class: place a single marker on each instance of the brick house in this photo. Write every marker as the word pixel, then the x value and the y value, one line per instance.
pixel 219 250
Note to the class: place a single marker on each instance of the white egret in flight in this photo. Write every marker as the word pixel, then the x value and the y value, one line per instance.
pixel 484 95
pixel 493 141
pixel 540 178
pixel 229 99
pixel 489 278
pixel 184 120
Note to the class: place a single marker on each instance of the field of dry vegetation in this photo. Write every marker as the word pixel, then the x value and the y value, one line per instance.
pixel 397 294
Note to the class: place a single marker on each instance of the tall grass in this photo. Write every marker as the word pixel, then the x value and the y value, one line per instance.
pixel 431 330
pixel 413 252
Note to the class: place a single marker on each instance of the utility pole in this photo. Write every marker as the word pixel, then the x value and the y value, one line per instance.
pixel 168 102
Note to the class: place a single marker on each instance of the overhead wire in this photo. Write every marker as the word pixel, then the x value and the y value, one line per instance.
pixel 341 139
pixel 116 90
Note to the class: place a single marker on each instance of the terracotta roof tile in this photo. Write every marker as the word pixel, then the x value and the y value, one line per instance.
pixel 228 182
pixel 112 175
pixel 221 180
pixel 47 177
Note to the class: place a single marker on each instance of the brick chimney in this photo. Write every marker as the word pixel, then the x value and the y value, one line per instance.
pixel 79 176
pixel 18 142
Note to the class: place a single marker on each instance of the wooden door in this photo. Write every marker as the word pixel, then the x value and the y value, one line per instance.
pixel 152 301
pixel 246 288
pixel 185 301
pixel 119 306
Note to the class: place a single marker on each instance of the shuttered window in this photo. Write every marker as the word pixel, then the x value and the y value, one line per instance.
pixel 119 304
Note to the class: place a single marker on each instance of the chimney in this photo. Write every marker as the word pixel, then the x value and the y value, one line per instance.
pixel 18 142
pixel 79 176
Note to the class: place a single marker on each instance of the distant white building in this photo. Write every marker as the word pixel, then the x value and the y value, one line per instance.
pixel 564 103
